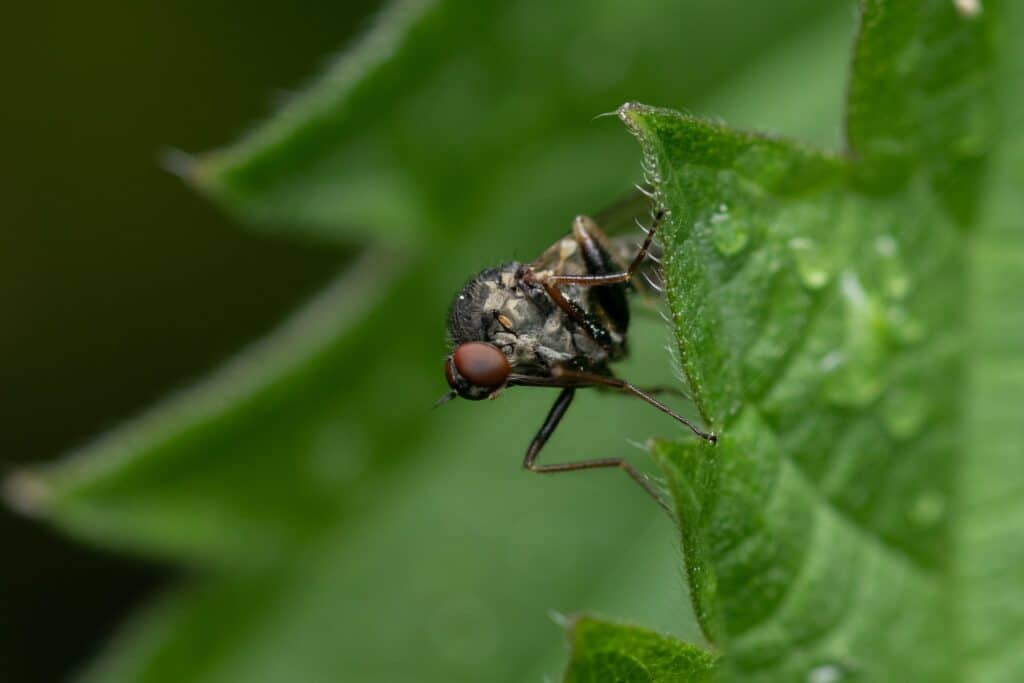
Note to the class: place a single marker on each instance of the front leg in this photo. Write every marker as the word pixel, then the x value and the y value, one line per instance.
pixel 554 417
pixel 587 322
pixel 604 273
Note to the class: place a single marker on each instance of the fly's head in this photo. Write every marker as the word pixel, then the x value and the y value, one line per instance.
pixel 501 326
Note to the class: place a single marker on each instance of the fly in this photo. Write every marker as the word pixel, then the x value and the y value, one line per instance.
pixel 558 322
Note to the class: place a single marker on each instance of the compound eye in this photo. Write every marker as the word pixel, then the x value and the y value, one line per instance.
pixel 482 364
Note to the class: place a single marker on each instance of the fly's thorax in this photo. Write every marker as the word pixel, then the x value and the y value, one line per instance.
pixel 499 306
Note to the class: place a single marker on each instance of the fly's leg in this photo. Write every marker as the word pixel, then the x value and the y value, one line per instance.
pixel 595 251
pixel 600 264
pixel 660 389
pixel 581 225
pixel 587 322
pixel 603 271
pixel 550 422
pixel 589 378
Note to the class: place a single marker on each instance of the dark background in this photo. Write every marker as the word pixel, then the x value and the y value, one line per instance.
pixel 113 285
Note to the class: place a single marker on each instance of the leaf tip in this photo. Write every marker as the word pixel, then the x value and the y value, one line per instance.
pixel 178 162
pixel 638 116
pixel 658 447
pixel 637 119
pixel 573 625
pixel 563 621
pixel 26 492
pixel 195 171
pixel 630 114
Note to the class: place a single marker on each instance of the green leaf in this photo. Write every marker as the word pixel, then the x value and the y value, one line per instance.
pixel 608 653
pixel 914 96
pixel 857 519
pixel 819 304
pixel 990 564
pixel 333 524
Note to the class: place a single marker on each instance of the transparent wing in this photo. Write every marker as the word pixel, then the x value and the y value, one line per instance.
pixel 620 230
pixel 620 218
pixel 621 222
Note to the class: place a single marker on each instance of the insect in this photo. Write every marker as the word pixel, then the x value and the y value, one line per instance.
pixel 558 322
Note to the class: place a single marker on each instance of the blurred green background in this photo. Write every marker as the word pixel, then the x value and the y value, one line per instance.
pixel 119 284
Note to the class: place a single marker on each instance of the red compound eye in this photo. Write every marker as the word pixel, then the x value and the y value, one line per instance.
pixel 482 364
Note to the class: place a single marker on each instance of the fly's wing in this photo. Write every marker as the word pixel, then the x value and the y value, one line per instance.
pixel 620 234
pixel 621 216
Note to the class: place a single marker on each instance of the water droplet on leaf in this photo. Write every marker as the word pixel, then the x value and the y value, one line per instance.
pixel 849 384
pixel 855 374
pixel 904 328
pixel 904 412
pixel 832 360
pixel 885 245
pixel 832 672
pixel 812 263
pixel 968 8
pixel 728 232
pixel 895 279
pixel 928 509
